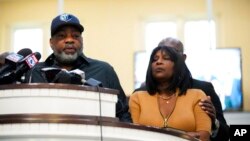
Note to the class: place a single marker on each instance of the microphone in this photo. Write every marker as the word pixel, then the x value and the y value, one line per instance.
pixel 49 73
pixel 58 75
pixel 21 68
pixel 76 76
pixel 2 58
pixel 64 77
pixel 27 63
pixel 81 74
pixel 12 60
pixel 24 52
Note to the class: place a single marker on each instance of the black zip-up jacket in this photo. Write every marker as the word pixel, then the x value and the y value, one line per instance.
pixel 92 68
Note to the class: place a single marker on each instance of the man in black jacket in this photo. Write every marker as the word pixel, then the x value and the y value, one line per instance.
pixel 212 105
pixel 67 44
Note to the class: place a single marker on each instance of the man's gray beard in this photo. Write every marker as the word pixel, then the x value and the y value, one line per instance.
pixel 66 59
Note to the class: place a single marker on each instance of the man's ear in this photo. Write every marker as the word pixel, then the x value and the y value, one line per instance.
pixel 51 43
pixel 184 57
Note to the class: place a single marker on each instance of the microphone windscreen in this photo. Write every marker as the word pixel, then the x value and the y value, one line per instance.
pixel 38 55
pixel 62 77
pixel 24 52
pixel 2 57
pixel 50 73
pixel 78 72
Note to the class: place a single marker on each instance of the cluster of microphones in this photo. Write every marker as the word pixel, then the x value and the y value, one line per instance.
pixel 18 64
pixel 76 76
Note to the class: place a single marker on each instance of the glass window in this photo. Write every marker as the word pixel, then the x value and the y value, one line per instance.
pixel 226 80
pixel 156 31
pixel 199 35
pixel 28 38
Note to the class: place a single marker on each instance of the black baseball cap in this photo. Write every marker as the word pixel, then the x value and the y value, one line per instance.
pixel 65 19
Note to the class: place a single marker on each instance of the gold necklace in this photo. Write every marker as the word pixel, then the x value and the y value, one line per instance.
pixel 166 98
pixel 166 117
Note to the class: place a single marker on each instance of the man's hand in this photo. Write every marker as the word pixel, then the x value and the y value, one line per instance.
pixel 194 134
pixel 208 107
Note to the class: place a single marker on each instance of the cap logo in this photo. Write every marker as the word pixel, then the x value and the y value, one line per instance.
pixel 65 17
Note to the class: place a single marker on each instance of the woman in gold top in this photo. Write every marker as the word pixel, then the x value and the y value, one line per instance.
pixel 168 101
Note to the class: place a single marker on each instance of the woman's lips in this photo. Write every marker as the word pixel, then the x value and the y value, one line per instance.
pixel 159 70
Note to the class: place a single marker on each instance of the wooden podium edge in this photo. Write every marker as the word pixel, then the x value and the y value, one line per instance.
pixel 59 86
pixel 89 120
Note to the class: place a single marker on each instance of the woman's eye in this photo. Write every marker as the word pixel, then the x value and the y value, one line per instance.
pixel 167 58
pixel 155 58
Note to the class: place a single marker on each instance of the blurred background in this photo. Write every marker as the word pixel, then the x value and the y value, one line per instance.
pixel 215 33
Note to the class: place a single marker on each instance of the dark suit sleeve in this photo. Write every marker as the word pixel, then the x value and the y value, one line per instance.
pixel 223 133
pixel 122 109
pixel 142 88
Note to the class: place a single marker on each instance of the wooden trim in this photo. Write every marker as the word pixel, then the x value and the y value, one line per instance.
pixel 52 118
pixel 89 120
pixel 58 86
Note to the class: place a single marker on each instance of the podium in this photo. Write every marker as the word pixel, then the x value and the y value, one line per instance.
pixel 64 112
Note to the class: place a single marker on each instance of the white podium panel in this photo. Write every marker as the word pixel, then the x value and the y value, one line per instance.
pixel 62 112
pixel 80 128
pixel 57 99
